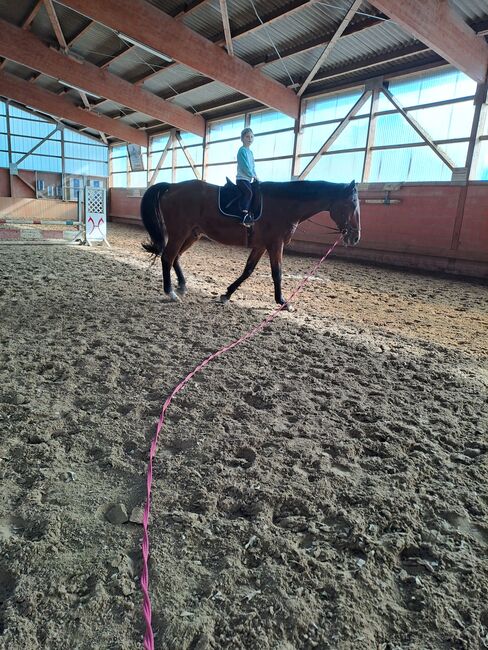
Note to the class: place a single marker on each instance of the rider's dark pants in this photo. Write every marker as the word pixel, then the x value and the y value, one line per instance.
pixel 245 190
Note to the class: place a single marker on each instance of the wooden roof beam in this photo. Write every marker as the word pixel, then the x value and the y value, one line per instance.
pixel 32 14
pixel 42 100
pixel 25 48
pixel 146 24
pixel 51 12
pixel 443 30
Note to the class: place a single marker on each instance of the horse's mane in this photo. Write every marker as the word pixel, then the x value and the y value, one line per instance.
pixel 306 190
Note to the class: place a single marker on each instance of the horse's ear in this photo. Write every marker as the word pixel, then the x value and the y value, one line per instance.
pixel 352 185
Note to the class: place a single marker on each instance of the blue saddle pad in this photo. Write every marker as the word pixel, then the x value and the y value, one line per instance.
pixel 229 202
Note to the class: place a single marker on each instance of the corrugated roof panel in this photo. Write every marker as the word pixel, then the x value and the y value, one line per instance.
pixel 98 44
pixel 471 10
pixel 172 77
pixel 209 93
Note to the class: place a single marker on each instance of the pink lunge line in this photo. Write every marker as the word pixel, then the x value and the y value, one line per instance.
pixel 148 635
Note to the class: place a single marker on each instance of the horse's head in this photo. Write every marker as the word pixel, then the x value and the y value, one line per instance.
pixel 346 214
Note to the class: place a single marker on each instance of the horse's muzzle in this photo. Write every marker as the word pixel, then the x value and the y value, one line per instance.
pixel 351 236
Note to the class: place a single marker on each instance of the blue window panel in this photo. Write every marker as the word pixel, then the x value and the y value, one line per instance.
pixel 18 112
pixel 394 129
pixel 196 154
pixel 313 137
pixel 85 167
pixel 274 170
pixel 89 152
pixel 186 174
pixel 158 143
pixel 47 148
pixel 73 136
pixel 273 145
pixel 430 87
pixel 457 152
pixel 338 168
pixel 119 165
pixel 270 121
pixel 218 173
pixel 118 150
pixel 164 176
pixel 408 165
pixel 3 108
pixel 33 129
pixel 41 163
pixel 446 122
pixel 333 107
pixel 3 142
pixel 138 179
pixel 4 159
pixel 223 152
pixel 480 172
pixel 189 139
pixel 354 135
pixel 225 129
pixel 3 124
pixel 119 180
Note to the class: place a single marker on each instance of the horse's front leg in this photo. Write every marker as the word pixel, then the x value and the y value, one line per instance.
pixel 251 264
pixel 276 259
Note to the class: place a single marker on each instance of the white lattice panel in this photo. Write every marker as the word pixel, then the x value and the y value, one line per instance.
pixel 95 214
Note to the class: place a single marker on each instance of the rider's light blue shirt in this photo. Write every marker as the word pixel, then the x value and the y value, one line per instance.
pixel 245 165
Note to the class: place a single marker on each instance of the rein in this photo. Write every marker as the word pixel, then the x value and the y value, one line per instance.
pixel 147 610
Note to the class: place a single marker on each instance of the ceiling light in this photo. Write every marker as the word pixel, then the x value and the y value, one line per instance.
pixel 80 90
pixel 151 50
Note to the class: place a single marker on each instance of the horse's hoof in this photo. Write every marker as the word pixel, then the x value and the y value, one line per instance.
pixel 288 307
pixel 181 291
pixel 223 299
pixel 173 296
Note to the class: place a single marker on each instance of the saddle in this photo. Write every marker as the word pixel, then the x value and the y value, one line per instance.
pixel 228 202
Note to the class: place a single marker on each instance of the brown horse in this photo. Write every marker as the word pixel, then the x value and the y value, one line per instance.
pixel 177 215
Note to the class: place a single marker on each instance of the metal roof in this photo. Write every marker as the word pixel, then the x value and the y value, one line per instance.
pixel 281 38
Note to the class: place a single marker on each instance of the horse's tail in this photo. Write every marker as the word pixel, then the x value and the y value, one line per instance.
pixel 152 218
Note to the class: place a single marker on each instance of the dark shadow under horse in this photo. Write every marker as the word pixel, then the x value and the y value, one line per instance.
pixel 177 215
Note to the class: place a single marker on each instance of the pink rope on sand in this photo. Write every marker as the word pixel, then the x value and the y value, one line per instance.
pixel 148 635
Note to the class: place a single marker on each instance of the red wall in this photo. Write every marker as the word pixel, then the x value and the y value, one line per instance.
pixel 417 232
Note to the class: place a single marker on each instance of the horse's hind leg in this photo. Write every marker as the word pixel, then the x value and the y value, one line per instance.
pixel 251 263
pixel 176 264
pixel 276 258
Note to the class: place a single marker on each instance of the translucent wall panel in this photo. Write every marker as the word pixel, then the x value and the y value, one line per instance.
pixel 394 129
pixel 409 164
pixel 3 141
pixel 270 121
pixel 446 122
pixel 338 168
pixel 225 128
pixel 164 176
pixel 119 165
pixel 313 137
pixel 196 154
pixel 217 174
pixel 73 136
pixel 190 139
pixel 332 107
pixel 4 159
pixel 33 129
pixel 457 152
pixel 223 151
pixel 429 87
pixel 119 180
pixel 3 123
pixel 186 174
pixel 74 150
pixel 41 163
pixel 273 144
pixel 85 167
pixel 354 135
pixel 274 170
pixel 480 172
pixel 138 179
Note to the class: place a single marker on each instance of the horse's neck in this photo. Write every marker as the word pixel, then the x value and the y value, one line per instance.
pixel 309 209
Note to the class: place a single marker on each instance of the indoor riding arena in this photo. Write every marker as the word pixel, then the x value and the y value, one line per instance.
pixel 267 428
